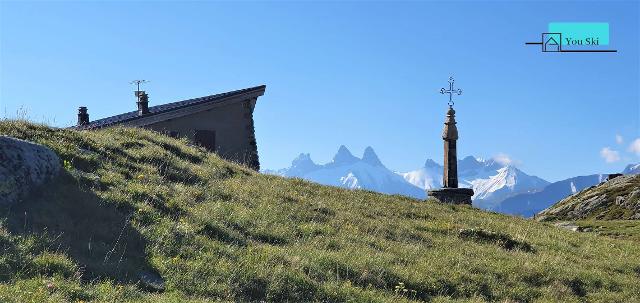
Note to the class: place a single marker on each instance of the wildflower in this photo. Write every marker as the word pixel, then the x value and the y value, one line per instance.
pixel 50 285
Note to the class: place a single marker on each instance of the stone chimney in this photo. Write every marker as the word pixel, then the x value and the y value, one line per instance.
pixel 143 102
pixel 83 116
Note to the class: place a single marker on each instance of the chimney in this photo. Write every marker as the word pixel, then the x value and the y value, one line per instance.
pixel 143 102
pixel 83 116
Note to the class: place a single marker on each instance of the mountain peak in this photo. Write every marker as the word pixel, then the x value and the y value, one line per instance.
pixel 370 157
pixel 430 163
pixel 469 163
pixel 632 169
pixel 344 156
pixel 494 164
pixel 300 166
pixel 302 160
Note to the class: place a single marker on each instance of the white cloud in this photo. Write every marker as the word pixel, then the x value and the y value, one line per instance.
pixel 503 159
pixel 635 147
pixel 609 155
pixel 619 139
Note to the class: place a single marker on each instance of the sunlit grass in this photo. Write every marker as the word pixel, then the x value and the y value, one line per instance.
pixel 218 231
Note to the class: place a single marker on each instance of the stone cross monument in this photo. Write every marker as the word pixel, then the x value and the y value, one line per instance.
pixel 450 193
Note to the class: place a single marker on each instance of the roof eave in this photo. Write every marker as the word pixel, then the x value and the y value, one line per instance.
pixel 236 96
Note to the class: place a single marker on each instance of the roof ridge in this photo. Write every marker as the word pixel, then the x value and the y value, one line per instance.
pixel 163 108
pixel 219 94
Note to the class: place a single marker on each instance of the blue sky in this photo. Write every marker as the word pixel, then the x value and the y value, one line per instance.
pixel 353 73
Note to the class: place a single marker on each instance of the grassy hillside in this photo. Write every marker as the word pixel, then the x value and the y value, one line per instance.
pixel 620 229
pixel 616 199
pixel 132 201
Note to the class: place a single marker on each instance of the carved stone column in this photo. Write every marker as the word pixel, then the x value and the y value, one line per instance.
pixel 450 193
pixel 450 136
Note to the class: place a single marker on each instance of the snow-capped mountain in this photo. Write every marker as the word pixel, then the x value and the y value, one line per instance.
pixel 498 187
pixel 491 181
pixel 632 169
pixel 528 204
pixel 427 177
pixel 349 171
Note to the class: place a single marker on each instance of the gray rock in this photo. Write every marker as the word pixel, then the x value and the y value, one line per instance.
pixel 634 196
pixel 24 165
pixel 152 281
pixel 568 225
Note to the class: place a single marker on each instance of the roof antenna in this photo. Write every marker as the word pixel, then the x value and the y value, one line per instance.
pixel 138 82
pixel 143 98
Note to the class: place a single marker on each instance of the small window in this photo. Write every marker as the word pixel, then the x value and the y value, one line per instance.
pixel 206 139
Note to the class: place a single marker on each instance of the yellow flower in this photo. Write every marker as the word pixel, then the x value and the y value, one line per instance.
pixel 140 177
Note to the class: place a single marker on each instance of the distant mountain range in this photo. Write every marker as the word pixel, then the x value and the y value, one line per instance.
pixel 349 171
pixel 529 204
pixel 497 187
pixel 491 181
pixel 615 199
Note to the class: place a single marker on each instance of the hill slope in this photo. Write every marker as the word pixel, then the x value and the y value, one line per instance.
pixel 529 204
pixel 132 201
pixel 617 199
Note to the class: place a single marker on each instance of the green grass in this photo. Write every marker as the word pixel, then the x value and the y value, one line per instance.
pixel 131 200
pixel 620 229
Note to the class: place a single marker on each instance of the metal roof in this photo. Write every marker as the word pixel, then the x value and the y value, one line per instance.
pixel 164 108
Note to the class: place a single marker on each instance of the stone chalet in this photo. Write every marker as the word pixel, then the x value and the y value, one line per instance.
pixel 221 123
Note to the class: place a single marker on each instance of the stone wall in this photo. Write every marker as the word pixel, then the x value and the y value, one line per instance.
pixel 233 127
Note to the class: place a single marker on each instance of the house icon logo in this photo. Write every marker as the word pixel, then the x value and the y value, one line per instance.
pixel 551 42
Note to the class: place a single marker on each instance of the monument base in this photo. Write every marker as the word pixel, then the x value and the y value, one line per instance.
pixel 451 195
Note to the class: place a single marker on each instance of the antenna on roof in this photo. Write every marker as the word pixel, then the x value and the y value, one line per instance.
pixel 138 82
pixel 143 98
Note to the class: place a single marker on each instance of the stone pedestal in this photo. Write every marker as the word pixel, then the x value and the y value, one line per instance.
pixel 451 195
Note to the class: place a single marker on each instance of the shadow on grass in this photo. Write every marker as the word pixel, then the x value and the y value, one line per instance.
pixel 504 241
pixel 95 235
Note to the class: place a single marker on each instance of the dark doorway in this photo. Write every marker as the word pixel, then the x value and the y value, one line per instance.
pixel 206 139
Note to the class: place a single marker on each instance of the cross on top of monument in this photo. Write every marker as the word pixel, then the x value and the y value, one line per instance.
pixel 451 91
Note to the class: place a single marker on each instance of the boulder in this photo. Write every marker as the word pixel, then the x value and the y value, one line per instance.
pixel 152 281
pixel 24 165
